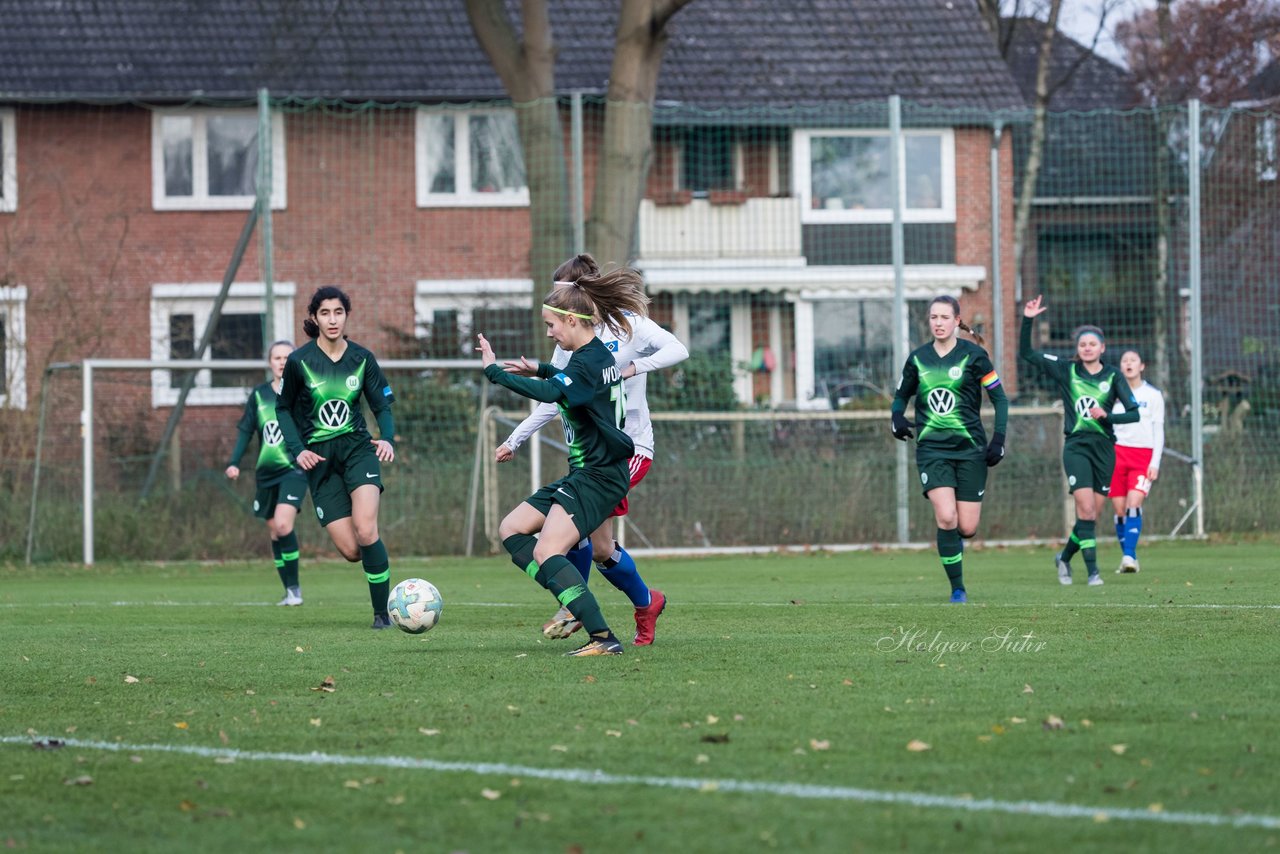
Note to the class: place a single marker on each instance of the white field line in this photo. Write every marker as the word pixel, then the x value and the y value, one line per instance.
pixel 1200 606
pixel 1043 809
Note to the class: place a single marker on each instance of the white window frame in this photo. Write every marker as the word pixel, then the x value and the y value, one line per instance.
pixel 9 166
pixel 802 174
pixel 463 195
pixel 13 311
pixel 200 200
pixel 465 296
pixel 197 299
pixel 1266 147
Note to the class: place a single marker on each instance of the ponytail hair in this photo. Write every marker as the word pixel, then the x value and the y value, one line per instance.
pixel 947 299
pixel 604 297
pixel 309 326
pixel 575 268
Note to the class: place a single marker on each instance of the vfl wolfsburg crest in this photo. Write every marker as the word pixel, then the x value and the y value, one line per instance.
pixel 334 413
pixel 271 435
pixel 941 400
pixel 956 372
pixel 352 383
pixel 1083 405
pixel 1104 386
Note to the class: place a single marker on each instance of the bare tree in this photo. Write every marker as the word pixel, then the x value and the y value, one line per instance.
pixel 526 67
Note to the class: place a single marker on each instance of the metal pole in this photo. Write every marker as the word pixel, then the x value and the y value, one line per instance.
pixel 1193 272
pixel 35 475
pixel 476 465
pixel 535 455
pixel 901 345
pixel 997 286
pixel 578 201
pixel 86 433
pixel 266 239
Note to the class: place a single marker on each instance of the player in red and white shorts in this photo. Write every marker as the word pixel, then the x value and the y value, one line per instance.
pixel 1139 448
pixel 649 348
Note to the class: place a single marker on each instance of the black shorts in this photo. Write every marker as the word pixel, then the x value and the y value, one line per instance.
pixel 1089 463
pixel 289 489
pixel 966 475
pixel 349 462
pixel 587 495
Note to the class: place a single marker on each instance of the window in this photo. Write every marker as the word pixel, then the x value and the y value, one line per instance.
pixel 853 347
pixel 710 160
pixel 468 157
pixel 448 313
pixel 1266 149
pixel 208 160
pixel 179 315
pixel 843 176
pixel 8 162
pixel 13 347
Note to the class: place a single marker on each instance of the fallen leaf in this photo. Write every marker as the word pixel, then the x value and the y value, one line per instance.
pixel 82 780
pixel 135 759
pixel 588 679
pixel 709 786
pixel 297 649
pixel 712 719
pixel 426 731
pixel 616 733
pixel 249 692
pixel 716 738
pixel 327 685
pixel 1053 722
pixel 222 736
pixel 559 748
pixel 915 745
pixel 351 784
pixel 632 722
pixel 847 682
pixel 490 794
pixel 225 760
pixel 71 729
pixel 513 708
pixel 1086 723
pixel 822 744
pixel 299 823
pixel 743 718
pixel 1156 807
pixel 1017 720
pixel 396 800
pixel 1119 749
pixel 997 729
pixel 1101 818
pixel 315 722
pixel 1027 689
pixel 181 725
pixel 522 655
pixel 984 738
pixel 186 806
pixel 702 759
pixel 129 680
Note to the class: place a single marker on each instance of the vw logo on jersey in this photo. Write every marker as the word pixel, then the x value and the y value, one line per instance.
pixel 1083 405
pixel 352 383
pixel 956 372
pixel 942 401
pixel 271 434
pixel 334 413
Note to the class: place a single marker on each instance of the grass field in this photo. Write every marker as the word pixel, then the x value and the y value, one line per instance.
pixel 166 707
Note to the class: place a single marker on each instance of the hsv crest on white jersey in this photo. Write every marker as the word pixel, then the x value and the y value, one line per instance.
pixel 649 348
pixel 1148 431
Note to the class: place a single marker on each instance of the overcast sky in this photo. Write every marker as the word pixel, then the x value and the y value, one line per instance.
pixel 1079 19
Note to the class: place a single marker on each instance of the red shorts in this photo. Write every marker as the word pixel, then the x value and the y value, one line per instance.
pixel 1130 472
pixel 639 467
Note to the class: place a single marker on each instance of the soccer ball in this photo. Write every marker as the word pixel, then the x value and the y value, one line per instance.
pixel 414 605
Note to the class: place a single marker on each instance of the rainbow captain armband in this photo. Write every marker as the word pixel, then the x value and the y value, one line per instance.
pixel 991 380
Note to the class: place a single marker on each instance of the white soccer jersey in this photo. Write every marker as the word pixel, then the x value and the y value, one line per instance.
pixel 1148 431
pixel 649 348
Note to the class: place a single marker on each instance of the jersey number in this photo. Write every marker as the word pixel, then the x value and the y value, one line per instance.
pixel 618 395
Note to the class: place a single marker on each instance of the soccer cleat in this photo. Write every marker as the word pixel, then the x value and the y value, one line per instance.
pixel 292 596
pixel 1095 580
pixel 381 621
pixel 1127 565
pixel 561 625
pixel 598 646
pixel 958 597
pixel 1064 569
pixel 647 617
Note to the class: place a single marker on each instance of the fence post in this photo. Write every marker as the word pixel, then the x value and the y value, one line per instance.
pixel 1193 273
pixel 577 186
pixel 997 286
pixel 901 345
pixel 86 432
pixel 266 239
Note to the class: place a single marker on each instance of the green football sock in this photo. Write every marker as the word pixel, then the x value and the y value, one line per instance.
pixel 377 571
pixel 277 555
pixel 288 567
pixel 559 576
pixel 951 550
pixel 1073 544
pixel 1086 532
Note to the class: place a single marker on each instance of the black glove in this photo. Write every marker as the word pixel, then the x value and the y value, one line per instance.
pixel 995 450
pixel 901 427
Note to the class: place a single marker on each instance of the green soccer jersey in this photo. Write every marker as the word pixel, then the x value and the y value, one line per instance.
pixel 274 459
pixel 589 394
pixel 322 397
pixel 1081 391
pixel 948 393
